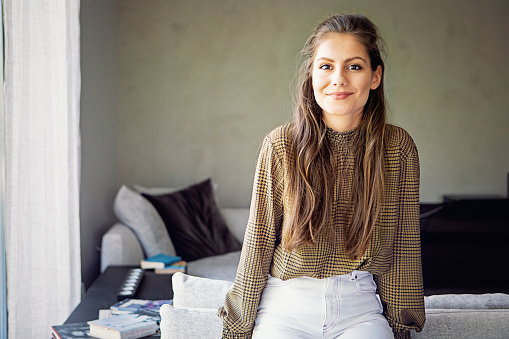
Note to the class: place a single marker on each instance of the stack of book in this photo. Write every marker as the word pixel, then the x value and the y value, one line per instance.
pixel 127 319
pixel 125 326
pixel 164 264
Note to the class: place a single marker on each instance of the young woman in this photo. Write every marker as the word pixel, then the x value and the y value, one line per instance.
pixel 335 208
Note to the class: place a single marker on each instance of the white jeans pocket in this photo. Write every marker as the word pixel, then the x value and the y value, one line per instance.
pixel 365 283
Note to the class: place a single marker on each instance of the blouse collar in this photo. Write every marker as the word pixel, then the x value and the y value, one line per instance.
pixel 341 138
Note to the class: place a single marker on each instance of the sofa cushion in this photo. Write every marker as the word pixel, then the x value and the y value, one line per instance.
pixel 236 218
pixel 139 214
pixel 184 323
pixel 155 190
pixel 461 324
pixel 222 267
pixel 194 222
pixel 197 292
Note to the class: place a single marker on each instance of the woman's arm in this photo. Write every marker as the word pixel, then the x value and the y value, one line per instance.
pixel 401 288
pixel 239 311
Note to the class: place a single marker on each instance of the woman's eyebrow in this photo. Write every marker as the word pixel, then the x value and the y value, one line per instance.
pixel 354 58
pixel 325 59
pixel 345 61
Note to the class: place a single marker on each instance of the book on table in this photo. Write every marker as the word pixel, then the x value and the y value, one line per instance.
pixel 70 331
pixel 138 306
pixel 114 327
pixel 159 261
pixel 179 266
pixel 124 326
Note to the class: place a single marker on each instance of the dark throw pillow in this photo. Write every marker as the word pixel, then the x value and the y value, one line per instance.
pixel 195 224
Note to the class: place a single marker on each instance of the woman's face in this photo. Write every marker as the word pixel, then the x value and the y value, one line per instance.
pixel 342 78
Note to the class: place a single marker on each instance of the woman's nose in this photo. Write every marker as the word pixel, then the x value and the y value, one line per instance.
pixel 338 78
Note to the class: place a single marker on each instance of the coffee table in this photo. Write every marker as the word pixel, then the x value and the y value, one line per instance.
pixel 103 292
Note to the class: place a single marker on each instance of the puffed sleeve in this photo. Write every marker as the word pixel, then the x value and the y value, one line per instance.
pixel 401 288
pixel 266 212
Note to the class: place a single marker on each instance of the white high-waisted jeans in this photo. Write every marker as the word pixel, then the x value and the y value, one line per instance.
pixel 343 306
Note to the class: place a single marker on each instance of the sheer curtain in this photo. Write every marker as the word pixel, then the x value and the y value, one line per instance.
pixel 42 87
pixel 3 273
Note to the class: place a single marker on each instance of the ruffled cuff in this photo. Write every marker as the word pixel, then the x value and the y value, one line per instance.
pixel 404 331
pixel 402 335
pixel 228 334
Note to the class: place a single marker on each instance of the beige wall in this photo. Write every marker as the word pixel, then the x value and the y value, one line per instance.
pixel 201 82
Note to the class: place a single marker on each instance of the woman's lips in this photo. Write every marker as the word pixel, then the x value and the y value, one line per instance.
pixel 339 95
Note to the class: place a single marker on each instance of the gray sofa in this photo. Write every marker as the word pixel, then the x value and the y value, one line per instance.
pixel 196 301
pixel 140 232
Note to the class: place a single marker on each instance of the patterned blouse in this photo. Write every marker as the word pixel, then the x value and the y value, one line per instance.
pixel 393 255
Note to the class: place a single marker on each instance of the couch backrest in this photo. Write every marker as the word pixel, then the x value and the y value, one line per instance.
pixel 236 219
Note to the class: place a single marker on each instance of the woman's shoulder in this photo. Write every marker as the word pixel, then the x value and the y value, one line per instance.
pixel 281 134
pixel 399 139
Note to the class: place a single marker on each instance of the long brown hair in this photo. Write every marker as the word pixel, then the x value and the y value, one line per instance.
pixel 311 186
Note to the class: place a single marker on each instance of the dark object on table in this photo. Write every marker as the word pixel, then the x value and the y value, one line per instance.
pixel 130 285
pixel 103 292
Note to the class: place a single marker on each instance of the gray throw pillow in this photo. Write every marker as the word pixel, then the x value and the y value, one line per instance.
pixel 197 292
pixel 139 214
pixel 185 322
pixel 154 190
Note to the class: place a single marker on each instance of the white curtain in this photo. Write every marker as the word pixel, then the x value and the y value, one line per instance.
pixel 42 90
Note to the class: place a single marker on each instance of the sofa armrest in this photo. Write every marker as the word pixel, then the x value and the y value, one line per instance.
pixel 120 246
pixel 464 323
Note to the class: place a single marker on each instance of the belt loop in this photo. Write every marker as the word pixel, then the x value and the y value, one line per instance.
pixel 353 275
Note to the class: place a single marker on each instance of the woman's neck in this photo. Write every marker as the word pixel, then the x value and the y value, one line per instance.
pixel 342 123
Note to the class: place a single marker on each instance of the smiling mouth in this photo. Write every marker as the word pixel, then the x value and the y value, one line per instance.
pixel 339 95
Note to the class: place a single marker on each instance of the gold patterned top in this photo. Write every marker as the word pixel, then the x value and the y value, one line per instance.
pixel 393 255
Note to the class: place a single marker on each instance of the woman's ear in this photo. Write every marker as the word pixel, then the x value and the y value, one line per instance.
pixel 377 78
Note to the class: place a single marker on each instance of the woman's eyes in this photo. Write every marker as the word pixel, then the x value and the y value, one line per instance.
pixel 349 67
pixel 355 67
